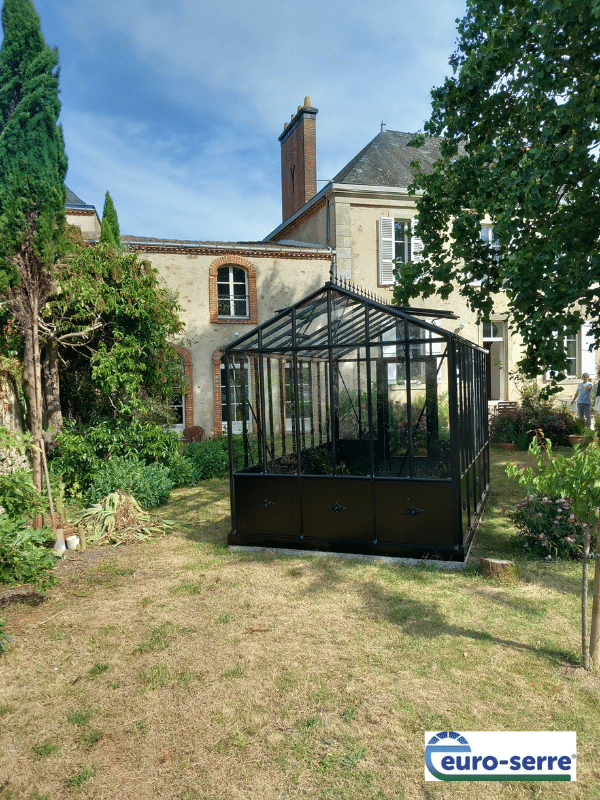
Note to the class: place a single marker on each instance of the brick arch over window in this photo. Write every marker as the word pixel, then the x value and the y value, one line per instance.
pixel 232 260
pixel 188 376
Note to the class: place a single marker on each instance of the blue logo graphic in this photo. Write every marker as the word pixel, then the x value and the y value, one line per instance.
pixel 457 762
pixel 445 742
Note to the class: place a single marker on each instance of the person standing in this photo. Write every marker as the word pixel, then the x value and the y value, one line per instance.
pixel 583 396
pixel 598 398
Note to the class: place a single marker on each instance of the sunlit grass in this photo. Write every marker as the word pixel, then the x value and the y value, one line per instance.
pixel 249 675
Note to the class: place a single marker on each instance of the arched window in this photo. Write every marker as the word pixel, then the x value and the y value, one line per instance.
pixel 232 292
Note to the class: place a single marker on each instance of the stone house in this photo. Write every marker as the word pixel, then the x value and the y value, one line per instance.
pixel 352 229
pixel 362 214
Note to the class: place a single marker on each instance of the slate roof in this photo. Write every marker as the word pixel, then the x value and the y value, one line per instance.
pixel 73 200
pixel 386 160
pixel 139 242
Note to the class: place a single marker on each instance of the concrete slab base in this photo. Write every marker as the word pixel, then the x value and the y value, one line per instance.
pixel 408 562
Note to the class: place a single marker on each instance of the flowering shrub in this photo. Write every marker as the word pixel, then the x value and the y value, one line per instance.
pixel 507 425
pixel 547 528
pixel 556 425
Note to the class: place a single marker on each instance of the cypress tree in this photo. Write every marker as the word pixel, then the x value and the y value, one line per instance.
pixel 33 167
pixel 110 232
pixel 106 233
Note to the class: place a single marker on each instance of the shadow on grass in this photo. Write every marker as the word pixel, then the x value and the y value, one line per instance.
pixel 422 620
pixel 203 510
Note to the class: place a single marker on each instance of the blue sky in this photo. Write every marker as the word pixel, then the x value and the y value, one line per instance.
pixel 176 108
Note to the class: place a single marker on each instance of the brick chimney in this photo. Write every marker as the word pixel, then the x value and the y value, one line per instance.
pixel 299 159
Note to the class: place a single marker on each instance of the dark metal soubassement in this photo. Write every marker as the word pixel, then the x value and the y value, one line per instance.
pixel 356 426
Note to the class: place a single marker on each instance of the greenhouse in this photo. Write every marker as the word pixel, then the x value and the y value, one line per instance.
pixel 356 427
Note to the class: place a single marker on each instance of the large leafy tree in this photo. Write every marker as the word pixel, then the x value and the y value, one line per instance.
pixel 33 167
pixel 520 120
pixel 106 335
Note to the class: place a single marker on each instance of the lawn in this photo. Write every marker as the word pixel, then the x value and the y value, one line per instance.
pixel 177 669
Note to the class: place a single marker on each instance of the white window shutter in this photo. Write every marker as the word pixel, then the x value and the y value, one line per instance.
pixel 416 243
pixel 588 358
pixel 386 250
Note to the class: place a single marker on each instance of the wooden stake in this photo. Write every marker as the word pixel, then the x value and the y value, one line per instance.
pixel 58 532
pixel 585 647
pixel 595 627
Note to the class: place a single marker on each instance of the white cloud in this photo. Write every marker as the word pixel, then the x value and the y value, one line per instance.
pixel 158 195
pixel 176 107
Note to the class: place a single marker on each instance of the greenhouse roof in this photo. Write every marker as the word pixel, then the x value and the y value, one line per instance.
pixel 339 316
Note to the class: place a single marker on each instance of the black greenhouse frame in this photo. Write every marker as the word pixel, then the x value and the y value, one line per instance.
pixel 359 427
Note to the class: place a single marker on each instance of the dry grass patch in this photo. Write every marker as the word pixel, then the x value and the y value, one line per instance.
pixel 197 673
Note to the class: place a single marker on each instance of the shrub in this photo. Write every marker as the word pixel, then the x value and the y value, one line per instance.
pixel 516 425
pixel 556 425
pixel 81 452
pixel 181 471
pixel 547 528
pixel 209 459
pixel 150 484
pixel 506 426
pixel 18 495
pixel 23 555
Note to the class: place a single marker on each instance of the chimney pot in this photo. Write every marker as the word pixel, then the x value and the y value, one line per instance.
pixel 308 101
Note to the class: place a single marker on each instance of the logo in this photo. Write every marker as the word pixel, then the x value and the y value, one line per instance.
pixel 500 756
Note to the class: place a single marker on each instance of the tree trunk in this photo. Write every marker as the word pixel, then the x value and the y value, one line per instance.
pixel 36 410
pixel 35 425
pixel 54 418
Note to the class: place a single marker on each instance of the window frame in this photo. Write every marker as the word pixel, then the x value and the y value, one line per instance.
pixel 583 359
pixel 232 260
pixel 179 397
pixel 186 387
pixel 232 299
pixel 237 424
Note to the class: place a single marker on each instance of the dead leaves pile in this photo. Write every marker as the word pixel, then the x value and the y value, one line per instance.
pixel 118 518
